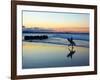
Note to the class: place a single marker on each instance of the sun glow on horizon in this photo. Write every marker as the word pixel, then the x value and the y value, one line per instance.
pixel 59 22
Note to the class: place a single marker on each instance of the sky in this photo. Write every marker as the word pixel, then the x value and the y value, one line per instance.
pixel 56 21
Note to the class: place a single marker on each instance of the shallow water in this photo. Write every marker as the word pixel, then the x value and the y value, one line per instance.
pixel 45 55
pixel 76 36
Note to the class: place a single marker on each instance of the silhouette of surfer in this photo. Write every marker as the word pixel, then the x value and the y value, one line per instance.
pixel 72 43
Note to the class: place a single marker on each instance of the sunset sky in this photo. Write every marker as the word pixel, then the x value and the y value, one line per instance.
pixel 57 21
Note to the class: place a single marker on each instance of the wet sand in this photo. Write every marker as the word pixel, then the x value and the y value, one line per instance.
pixel 45 55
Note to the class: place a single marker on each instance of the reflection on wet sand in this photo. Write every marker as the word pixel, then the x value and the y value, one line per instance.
pixel 72 52
pixel 43 55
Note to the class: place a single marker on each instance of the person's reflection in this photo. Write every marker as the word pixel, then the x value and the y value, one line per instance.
pixel 72 51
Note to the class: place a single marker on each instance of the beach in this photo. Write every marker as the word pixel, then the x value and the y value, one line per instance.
pixel 53 53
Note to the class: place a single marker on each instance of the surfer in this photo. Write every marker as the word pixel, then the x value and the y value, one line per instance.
pixel 72 43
